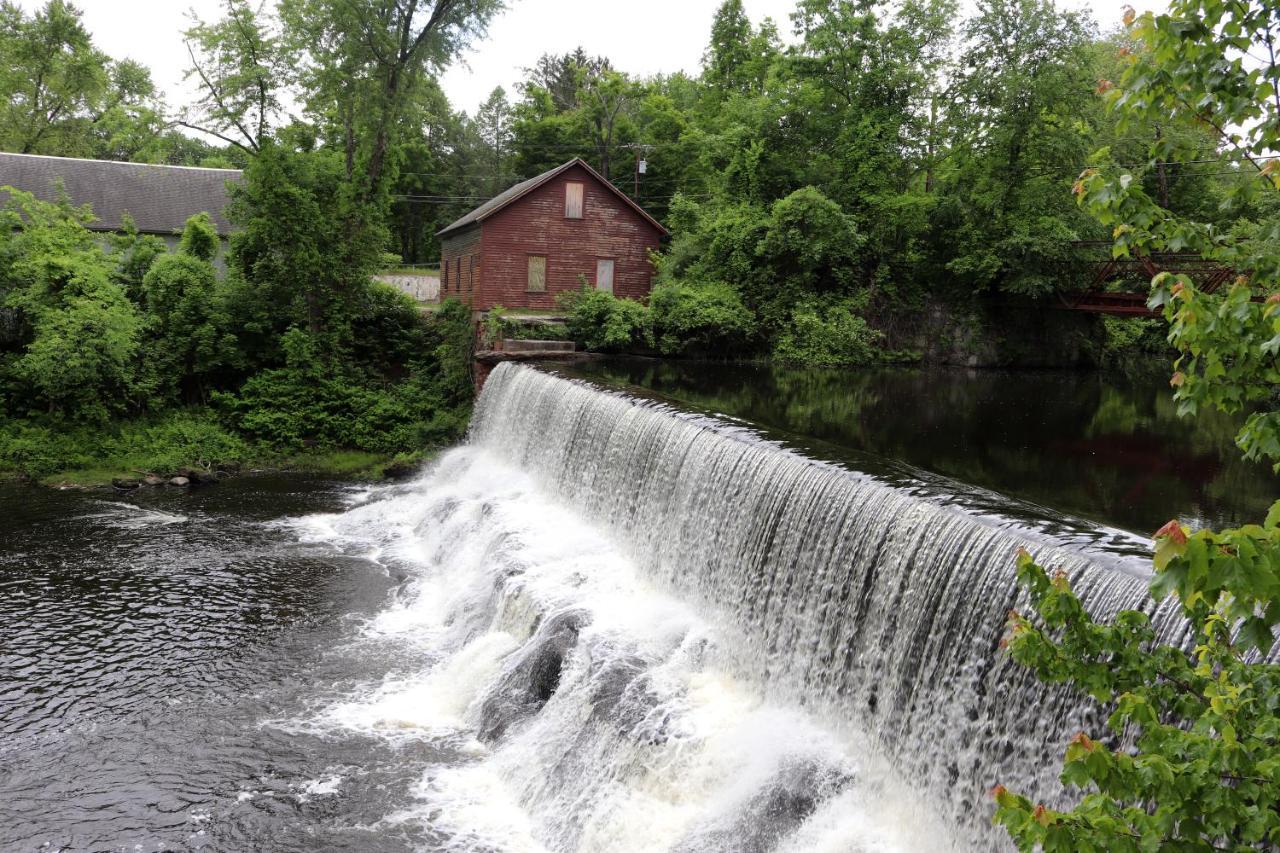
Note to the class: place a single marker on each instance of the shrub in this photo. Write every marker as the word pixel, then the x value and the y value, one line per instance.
pixel 190 339
pixel 699 316
pixel 186 438
pixel 311 402
pixel 827 332
pixel 199 238
pixel 602 322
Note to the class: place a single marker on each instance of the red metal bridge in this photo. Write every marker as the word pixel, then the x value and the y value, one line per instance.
pixel 1119 286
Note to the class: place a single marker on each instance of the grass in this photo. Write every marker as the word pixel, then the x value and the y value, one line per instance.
pixel 162 445
pixel 434 272
pixel 340 464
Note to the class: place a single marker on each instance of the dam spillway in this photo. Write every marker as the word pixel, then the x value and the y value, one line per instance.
pixel 658 632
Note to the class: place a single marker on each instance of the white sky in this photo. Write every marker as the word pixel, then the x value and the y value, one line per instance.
pixel 640 38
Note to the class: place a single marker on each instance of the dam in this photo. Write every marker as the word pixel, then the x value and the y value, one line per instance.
pixel 667 633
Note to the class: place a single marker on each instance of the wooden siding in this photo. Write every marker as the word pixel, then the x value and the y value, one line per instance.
pixel 460 265
pixel 536 225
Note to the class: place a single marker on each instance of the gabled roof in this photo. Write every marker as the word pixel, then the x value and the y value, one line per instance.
pixel 159 198
pixel 523 188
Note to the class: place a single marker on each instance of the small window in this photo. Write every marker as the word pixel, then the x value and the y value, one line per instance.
pixel 573 200
pixel 604 275
pixel 444 276
pixel 471 274
pixel 537 274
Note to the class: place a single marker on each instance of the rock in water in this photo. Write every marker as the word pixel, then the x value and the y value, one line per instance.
pixel 179 481
pixel 399 470
pixel 153 480
pixel 126 483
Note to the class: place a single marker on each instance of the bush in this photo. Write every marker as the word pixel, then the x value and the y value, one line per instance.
pixel 699 316
pixel 387 329
pixel 827 332
pixel 190 342
pixel 602 322
pixel 311 402
pixel 188 438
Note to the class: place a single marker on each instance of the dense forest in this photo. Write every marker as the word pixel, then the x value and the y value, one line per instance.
pixel 888 183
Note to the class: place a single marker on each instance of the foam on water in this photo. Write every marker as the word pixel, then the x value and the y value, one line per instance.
pixel 591 710
pixel 127 516
pixel 627 629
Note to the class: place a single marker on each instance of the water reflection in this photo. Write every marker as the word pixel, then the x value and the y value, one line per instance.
pixel 1108 448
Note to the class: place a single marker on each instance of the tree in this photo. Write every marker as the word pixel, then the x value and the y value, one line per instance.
pixel 240 68
pixel 191 342
pixel 493 126
pixel 363 61
pixel 1204 769
pixel 78 355
pixel 63 96
pixel 1023 125
pixel 729 54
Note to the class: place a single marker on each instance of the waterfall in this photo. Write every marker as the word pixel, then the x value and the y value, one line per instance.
pixel 646 630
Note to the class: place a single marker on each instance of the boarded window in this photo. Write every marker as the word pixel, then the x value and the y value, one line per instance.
pixel 537 274
pixel 573 200
pixel 444 275
pixel 604 275
pixel 471 274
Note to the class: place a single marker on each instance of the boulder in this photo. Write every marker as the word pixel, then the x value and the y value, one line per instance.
pixel 153 480
pixel 399 470
pixel 179 481
pixel 125 483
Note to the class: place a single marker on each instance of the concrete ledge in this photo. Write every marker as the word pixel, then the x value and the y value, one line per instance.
pixel 518 346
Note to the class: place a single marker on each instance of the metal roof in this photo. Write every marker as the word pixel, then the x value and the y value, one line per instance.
pixel 523 188
pixel 159 198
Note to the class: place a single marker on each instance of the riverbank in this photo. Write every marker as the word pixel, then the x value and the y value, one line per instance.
pixel 191 441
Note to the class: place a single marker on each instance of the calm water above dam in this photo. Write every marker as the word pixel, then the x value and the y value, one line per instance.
pixel 599 626
pixel 1101 446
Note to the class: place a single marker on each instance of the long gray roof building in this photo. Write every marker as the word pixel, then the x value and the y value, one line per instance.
pixel 159 198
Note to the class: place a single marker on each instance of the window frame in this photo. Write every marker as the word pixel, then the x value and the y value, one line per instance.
pixel 528 281
pixel 582 199
pixel 613 273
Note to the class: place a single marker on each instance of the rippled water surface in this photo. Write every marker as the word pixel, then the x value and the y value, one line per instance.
pixel 599 626
pixel 149 639
pixel 1107 447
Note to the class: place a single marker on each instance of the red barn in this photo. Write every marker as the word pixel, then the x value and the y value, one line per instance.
pixel 543 237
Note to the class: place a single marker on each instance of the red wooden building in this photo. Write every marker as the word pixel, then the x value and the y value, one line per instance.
pixel 543 237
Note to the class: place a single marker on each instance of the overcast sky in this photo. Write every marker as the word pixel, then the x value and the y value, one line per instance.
pixel 640 38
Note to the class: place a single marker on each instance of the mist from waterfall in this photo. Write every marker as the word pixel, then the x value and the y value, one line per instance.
pixel 640 630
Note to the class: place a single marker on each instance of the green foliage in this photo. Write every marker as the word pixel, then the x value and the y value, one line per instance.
pixel 494 325
pixel 1133 341
pixel 804 246
pixel 603 323
pixel 190 342
pixel 187 438
pixel 79 358
pixel 700 317
pixel 453 352
pixel 826 332
pixel 311 402
pixel 1204 771
pixel 199 238
pixel 1204 768
pixel 61 95
pixel 82 360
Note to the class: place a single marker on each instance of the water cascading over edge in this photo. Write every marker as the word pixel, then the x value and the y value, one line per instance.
pixel 875 610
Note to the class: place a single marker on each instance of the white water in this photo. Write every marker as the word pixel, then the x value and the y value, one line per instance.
pixel 633 631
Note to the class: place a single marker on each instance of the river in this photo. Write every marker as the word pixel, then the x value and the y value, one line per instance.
pixel 600 625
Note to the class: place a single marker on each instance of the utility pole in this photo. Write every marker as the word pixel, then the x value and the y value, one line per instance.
pixel 642 167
